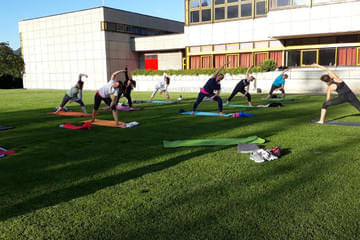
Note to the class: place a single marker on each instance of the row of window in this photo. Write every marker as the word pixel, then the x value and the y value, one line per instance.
pixel 202 10
pixel 297 58
pixel 123 28
pixel 206 11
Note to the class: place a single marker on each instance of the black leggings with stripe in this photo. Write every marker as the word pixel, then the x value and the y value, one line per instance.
pixel 343 98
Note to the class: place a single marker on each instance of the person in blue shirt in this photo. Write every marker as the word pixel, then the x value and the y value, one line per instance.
pixel 279 84
pixel 212 90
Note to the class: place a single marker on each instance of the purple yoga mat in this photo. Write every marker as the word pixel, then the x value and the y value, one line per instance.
pixel 127 109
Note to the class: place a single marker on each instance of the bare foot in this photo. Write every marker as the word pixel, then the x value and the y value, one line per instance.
pixel 227 102
pixel 319 122
pixel 92 120
pixel 221 114
pixel 192 113
pixel 250 105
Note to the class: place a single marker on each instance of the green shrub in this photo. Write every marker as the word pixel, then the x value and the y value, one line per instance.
pixel 231 71
pixel 269 65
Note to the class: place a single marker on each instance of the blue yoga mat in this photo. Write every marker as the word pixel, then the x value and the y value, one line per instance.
pixel 209 114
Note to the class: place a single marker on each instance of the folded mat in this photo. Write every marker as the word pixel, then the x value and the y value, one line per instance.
pixel 280 99
pixel 107 123
pixel 5 152
pixel 86 125
pixel 209 114
pixel 5 128
pixel 212 142
pixel 355 124
pixel 247 148
pixel 70 114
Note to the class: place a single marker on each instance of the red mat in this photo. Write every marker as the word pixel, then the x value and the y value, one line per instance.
pixel 86 125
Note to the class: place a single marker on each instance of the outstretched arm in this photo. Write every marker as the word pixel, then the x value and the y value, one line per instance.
pixel 248 71
pixel 219 69
pixel 331 73
pixel 82 75
pixel 113 76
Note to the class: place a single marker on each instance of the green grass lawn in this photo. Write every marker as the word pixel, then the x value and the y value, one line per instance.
pixel 111 183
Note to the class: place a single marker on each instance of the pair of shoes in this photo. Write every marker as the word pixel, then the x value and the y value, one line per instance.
pixel 262 155
pixel 276 151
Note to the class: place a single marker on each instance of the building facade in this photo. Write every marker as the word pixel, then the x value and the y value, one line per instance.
pixel 96 41
pixel 291 32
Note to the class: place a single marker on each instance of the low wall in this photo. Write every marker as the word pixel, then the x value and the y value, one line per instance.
pixel 300 81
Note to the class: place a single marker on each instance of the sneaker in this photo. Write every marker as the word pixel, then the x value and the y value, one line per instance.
pixel 267 155
pixel 256 157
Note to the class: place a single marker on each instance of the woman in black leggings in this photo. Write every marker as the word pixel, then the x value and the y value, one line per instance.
pixel 240 87
pixel 344 92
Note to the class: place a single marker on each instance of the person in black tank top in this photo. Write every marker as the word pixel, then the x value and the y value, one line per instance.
pixel 243 87
pixel 212 90
pixel 344 92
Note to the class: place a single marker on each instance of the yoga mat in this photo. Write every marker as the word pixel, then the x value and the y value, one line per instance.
pixel 127 109
pixel 212 142
pixel 70 126
pixel 355 124
pixel 247 148
pixel 107 123
pixel 209 114
pixel 280 100
pixel 70 114
pixel 5 128
pixel 154 101
pixel 5 152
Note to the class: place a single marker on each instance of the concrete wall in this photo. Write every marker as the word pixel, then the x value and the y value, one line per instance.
pixel 159 43
pixel 324 19
pixel 168 61
pixel 300 81
pixel 57 48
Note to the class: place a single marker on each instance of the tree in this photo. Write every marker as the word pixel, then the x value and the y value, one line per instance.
pixel 11 67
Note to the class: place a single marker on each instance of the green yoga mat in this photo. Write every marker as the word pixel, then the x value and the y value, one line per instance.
pixel 212 142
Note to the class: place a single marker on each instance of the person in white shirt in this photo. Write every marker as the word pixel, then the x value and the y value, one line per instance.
pixel 113 87
pixel 162 86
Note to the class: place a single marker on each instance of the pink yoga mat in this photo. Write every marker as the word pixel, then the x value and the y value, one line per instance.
pixel 127 109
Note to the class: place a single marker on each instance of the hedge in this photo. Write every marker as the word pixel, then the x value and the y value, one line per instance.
pixel 231 71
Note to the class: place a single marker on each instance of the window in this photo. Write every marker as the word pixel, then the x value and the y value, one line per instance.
pixel 246 9
pixel 111 27
pixel 287 3
pixel 346 57
pixel 233 11
pixel 327 56
pixel 294 58
pixel 260 7
pixel 200 10
pixel 219 13
pixel 194 3
pixel 206 15
pixel 206 3
pixel 309 57
pixel 218 2
pixel 194 17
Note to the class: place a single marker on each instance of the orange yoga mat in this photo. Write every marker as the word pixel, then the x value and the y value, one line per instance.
pixel 106 123
pixel 71 114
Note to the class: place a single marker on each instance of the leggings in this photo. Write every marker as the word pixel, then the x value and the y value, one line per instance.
pixel 161 89
pixel 273 88
pixel 239 88
pixel 98 99
pixel 66 99
pixel 342 98
pixel 201 97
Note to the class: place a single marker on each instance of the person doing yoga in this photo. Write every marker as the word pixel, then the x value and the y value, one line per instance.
pixel 162 86
pixel 213 84
pixel 279 84
pixel 336 84
pixel 243 87
pixel 72 95
pixel 113 87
